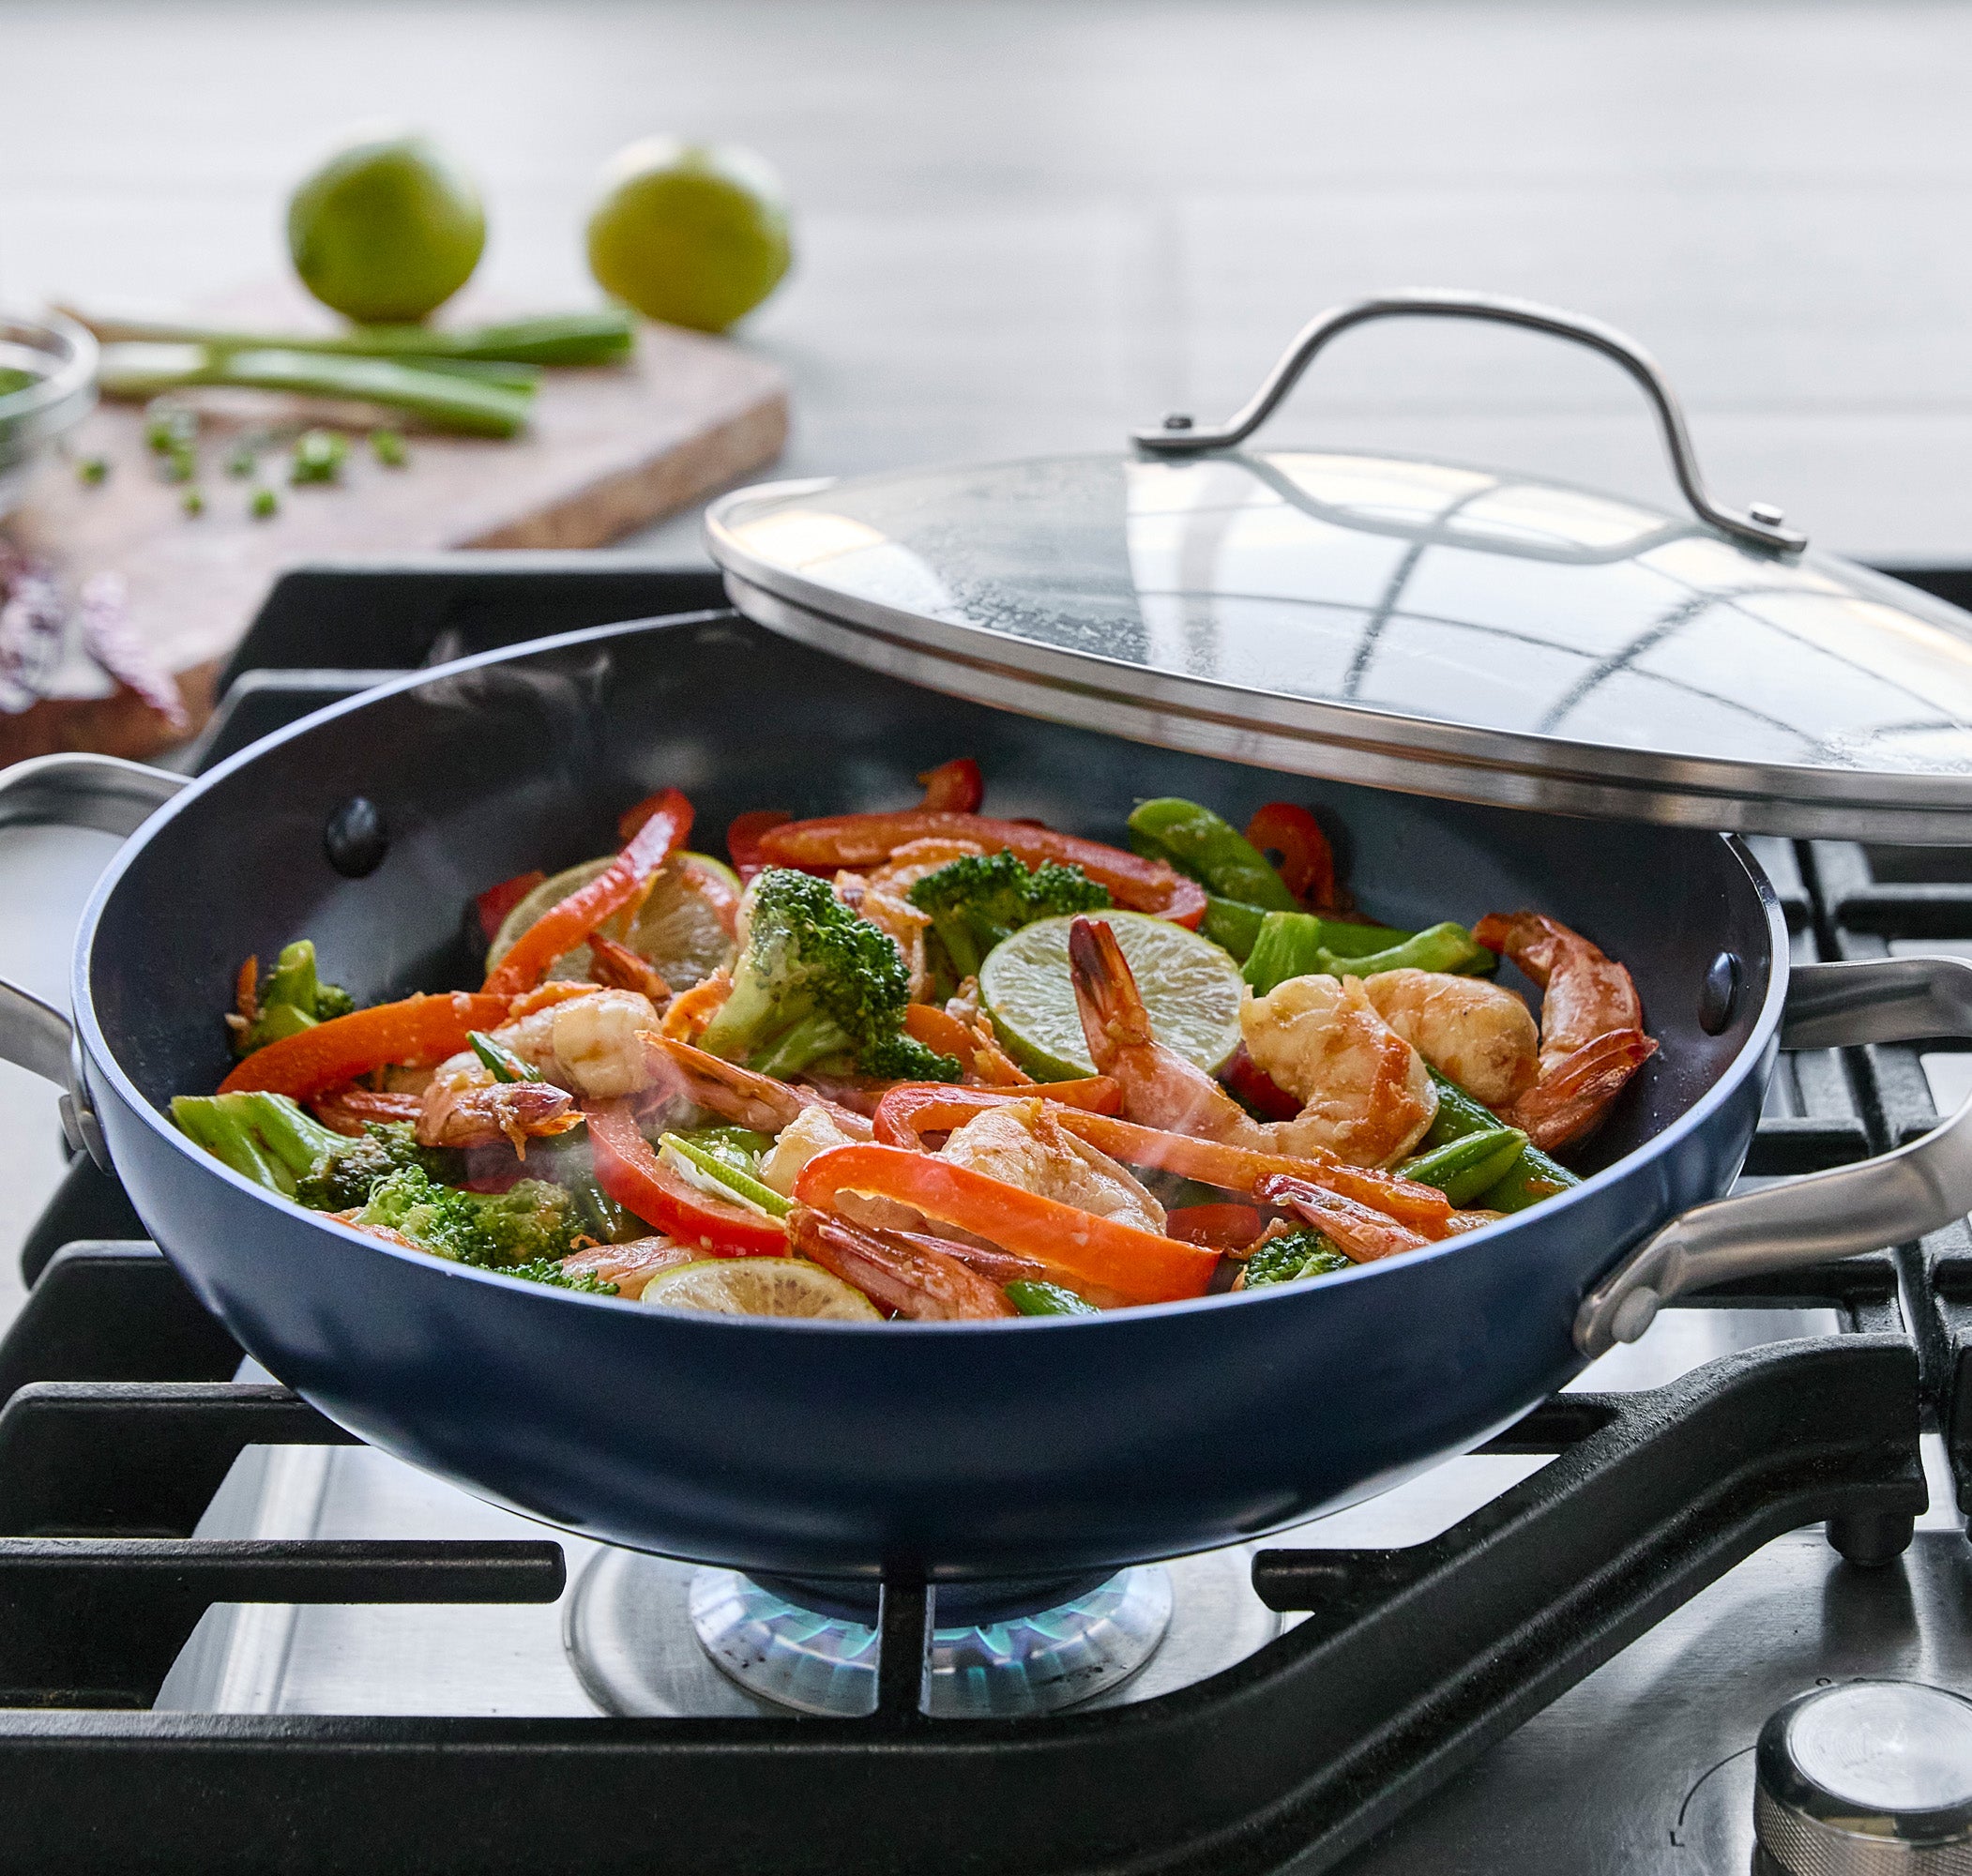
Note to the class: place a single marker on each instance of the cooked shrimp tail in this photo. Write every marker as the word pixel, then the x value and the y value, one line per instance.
pixel 1160 1087
pixel 1572 1097
pixel 1359 1233
pixel 460 1113
pixel 738 1094
pixel 906 1273
pixel 620 968
pixel 1592 1038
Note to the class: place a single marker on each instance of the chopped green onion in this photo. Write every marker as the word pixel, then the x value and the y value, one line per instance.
pixel 387 447
pixel 92 471
pixel 319 456
pixel 265 504
pixel 499 1060
pixel 192 502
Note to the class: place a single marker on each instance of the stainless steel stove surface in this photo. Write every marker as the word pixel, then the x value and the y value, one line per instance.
pixel 1610 1725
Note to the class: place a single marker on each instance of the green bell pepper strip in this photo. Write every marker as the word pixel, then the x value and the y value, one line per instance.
pixel 1463 1168
pixel 1447 947
pixel 500 1061
pixel 1533 1178
pixel 1232 926
pixel 1214 852
pixel 717 1167
pixel 1288 945
pixel 1034 1298
pixel 1301 944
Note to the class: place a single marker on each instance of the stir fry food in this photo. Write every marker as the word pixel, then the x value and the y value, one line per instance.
pixel 931 1064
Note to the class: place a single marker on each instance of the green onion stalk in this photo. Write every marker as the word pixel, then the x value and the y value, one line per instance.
pixel 444 399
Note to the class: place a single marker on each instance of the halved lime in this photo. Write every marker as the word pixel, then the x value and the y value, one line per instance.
pixel 1188 985
pixel 760 1286
pixel 677 929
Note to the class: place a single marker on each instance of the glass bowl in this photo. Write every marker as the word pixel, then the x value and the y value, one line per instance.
pixel 47 387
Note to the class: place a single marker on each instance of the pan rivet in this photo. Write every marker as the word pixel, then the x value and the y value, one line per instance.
pixel 1719 992
pixel 354 838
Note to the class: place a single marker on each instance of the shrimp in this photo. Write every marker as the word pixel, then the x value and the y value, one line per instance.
pixel 1021 1143
pixel 812 1130
pixel 738 1093
pixel 883 897
pixel 617 967
pixel 1474 1031
pixel 1365 1094
pixel 591 1045
pixel 463 1106
pixel 912 1276
pixel 1592 1038
pixel 628 1267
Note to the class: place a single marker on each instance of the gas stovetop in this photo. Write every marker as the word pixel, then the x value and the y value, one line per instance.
pixel 230 1639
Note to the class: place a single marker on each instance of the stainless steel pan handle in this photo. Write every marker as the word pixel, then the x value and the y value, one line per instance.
pixel 112 797
pixel 1891 1200
pixel 1178 435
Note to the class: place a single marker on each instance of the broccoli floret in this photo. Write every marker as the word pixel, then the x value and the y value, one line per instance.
pixel 272 1141
pixel 348 1173
pixel 293 998
pixel 978 900
pixel 818 981
pixel 1290 1254
pixel 524 1231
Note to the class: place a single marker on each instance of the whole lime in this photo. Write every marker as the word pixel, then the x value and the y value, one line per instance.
pixel 690 234
pixel 387 229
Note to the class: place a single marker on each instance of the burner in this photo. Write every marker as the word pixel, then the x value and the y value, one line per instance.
pixel 648 1636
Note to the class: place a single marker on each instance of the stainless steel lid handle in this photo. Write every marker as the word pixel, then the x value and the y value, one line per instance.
pixel 1178 435
pixel 112 797
pixel 1890 1200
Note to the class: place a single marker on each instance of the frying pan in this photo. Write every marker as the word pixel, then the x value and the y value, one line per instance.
pixel 1031 1448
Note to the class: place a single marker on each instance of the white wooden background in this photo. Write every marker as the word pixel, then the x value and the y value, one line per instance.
pixel 1024 227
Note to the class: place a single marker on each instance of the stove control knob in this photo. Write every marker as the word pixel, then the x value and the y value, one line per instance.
pixel 1868 1778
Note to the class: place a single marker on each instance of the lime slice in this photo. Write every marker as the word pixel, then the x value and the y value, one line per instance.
pixel 677 929
pixel 760 1286
pixel 1190 986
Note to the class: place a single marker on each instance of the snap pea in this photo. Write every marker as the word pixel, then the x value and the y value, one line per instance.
pixel 1533 1178
pixel 1231 925
pixel 1033 1298
pixel 1440 947
pixel 1214 852
pixel 1359 940
pixel 1463 1168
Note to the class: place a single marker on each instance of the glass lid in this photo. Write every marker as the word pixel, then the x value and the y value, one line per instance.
pixel 1425 625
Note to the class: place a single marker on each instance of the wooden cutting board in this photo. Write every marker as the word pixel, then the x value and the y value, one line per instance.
pixel 608 451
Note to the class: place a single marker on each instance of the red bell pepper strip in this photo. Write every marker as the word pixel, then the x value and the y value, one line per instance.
pixel 416 1031
pixel 630 1171
pixel 564 926
pixel 497 901
pixel 1218 1227
pixel 912 1109
pixel 1307 860
pixel 956 787
pixel 743 838
pixel 864 841
pixel 1257 1088
pixel 1135 1266
pixel 1356 1231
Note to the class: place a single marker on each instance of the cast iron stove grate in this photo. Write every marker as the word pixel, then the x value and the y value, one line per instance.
pixel 120 1420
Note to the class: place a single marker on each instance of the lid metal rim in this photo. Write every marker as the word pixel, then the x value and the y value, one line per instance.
pixel 1937 800
pixel 1668 798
